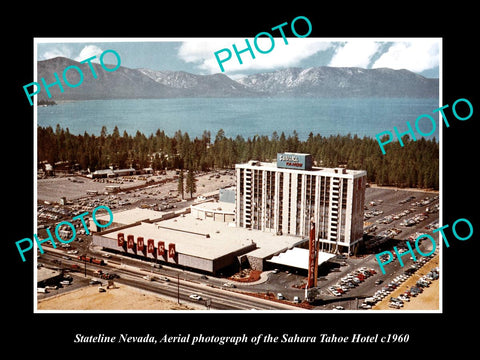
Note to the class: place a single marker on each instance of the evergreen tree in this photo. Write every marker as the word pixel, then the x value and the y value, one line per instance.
pixel 416 164
pixel 181 187
pixel 191 186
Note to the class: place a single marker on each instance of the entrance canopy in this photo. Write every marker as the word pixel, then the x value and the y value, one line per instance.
pixel 298 258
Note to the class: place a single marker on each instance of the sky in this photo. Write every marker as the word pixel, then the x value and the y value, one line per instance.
pixel 197 55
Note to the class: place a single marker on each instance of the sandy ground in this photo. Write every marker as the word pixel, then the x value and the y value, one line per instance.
pixel 120 298
pixel 427 300
pixel 52 188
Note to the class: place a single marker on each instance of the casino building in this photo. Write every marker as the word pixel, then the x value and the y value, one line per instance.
pixel 283 197
pixel 263 221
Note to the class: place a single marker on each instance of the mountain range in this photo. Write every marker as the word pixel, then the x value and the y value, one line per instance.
pixel 323 81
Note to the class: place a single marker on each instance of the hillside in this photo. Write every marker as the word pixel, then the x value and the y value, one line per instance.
pixel 343 82
pixel 126 83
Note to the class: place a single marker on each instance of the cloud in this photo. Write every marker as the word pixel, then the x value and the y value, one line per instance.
pixel 415 55
pixel 202 52
pixel 356 53
pixel 68 51
pixel 88 51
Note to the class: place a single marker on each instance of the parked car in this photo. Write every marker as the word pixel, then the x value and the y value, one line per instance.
pixel 394 305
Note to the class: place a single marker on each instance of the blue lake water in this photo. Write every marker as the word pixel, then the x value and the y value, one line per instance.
pixel 241 116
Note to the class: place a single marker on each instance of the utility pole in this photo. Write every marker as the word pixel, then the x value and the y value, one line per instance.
pixel 178 288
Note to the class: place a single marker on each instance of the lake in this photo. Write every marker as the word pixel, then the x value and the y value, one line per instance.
pixel 240 116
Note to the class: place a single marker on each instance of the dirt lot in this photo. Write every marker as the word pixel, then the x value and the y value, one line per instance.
pixel 428 300
pixel 120 298
pixel 74 187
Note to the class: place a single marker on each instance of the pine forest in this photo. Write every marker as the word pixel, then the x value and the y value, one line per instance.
pixel 416 164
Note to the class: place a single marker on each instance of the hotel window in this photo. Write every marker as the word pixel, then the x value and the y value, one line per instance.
pixel 270 199
pixel 299 203
pixel 241 196
pixel 309 202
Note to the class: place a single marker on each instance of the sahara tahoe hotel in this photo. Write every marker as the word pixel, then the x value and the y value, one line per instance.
pixel 268 212
pixel 285 197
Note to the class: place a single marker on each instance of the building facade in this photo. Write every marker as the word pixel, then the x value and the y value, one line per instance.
pixel 283 198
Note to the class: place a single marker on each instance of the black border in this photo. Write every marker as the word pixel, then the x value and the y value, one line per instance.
pixel 47 332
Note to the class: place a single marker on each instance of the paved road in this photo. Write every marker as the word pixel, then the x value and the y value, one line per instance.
pixel 288 283
pixel 211 297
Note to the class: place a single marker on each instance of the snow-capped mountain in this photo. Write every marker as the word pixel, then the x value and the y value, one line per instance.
pixel 321 81
pixel 338 82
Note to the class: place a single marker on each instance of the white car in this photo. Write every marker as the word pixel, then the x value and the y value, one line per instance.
pixel 397 303
pixel 195 297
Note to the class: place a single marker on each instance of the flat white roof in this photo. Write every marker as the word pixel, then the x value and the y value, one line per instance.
pixel 132 216
pixel 189 236
pixel 186 242
pixel 267 243
pixel 298 258
pixel 214 206
pixel 272 166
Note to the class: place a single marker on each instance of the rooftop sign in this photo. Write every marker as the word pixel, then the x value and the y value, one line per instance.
pixel 294 161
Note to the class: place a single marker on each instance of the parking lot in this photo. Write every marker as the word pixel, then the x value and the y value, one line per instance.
pixel 416 290
pixel 157 192
pixel 346 281
pixel 70 282
pixel 398 214
pixel 392 216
